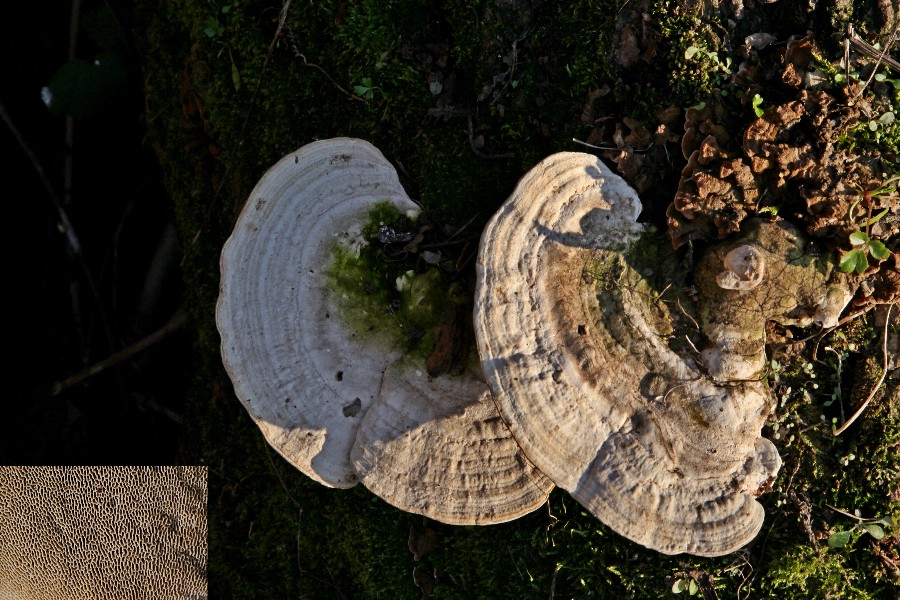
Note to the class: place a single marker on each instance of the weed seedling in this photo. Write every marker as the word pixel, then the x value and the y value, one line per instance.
pixel 874 527
pixel 857 259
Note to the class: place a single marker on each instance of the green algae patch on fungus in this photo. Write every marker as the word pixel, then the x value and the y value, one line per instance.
pixel 645 274
pixel 377 287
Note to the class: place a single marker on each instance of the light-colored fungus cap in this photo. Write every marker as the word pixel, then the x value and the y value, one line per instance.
pixel 576 346
pixel 745 267
pixel 320 385
pixel 437 447
pixel 305 377
pixel 103 533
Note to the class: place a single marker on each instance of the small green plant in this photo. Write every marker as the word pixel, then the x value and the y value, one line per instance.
pixel 874 527
pixel 757 101
pixel 724 67
pixel 685 585
pixel 215 30
pixel 857 259
pixel 213 26
pixel 365 89
pixel 893 82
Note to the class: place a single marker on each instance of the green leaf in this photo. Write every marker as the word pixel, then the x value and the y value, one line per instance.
pixel 690 52
pixel 887 118
pixel 771 210
pixel 679 586
pixel 874 530
pixel 878 250
pixel 858 238
pixel 693 588
pixel 839 539
pixel 854 260
pixel 757 103
pixel 876 218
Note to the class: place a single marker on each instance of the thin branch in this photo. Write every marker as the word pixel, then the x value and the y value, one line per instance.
pixel 841 323
pixel 862 407
pixel 306 63
pixel 177 321
pixel 612 148
pixel 478 152
pixel 64 223
pixel 865 48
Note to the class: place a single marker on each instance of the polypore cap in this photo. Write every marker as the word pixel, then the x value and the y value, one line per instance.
pixel 576 324
pixel 303 374
pixel 436 446
pixel 745 268
pixel 343 403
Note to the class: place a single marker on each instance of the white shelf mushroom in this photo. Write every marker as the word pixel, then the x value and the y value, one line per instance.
pixel 304 376
pixel 579 350
pixel 330 385
pixel 437 447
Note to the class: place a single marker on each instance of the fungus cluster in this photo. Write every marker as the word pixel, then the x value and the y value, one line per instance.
pixel 590 375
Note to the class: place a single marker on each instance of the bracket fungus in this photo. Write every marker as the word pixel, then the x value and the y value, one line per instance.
pixel 326 376
pixel 580 321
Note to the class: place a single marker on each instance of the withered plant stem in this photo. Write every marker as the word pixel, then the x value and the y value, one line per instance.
pixel 862 407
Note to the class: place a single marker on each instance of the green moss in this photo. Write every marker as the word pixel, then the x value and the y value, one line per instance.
pixel 386 293
pixel 801 571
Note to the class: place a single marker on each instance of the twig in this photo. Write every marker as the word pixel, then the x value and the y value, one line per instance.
pixel 64 224
pixel 577 141
pixel 478 152
pixel 868 50
pixel 553 581
pixel 864 47
pixel 692 344
pixel 177 321
pixel 862 407
pixel 306 63
pixel 844 512
pixel 685 313
pixel 842 322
